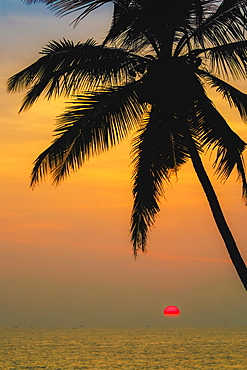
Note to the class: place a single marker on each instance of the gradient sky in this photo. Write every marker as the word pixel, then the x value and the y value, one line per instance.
pixel 66 258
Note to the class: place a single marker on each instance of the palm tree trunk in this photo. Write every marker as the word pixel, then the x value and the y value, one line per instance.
pixel 216 210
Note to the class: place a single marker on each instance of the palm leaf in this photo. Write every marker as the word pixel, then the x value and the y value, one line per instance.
pixel 130 28
pixel 127 31
pixel 136 23
pixel 92 124
pixel 229 58
pixel 65 7
pixel 221 27
pixel 158 152
pixel 66 68
pixel 214 133
pixel 226 24
pixel 234 96
pixel 225 59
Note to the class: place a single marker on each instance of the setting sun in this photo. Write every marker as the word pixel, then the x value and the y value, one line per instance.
pixel 171 311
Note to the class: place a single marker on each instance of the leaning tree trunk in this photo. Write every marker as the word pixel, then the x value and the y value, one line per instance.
pixel 216 210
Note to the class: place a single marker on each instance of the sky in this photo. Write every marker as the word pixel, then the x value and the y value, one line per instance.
pixel 66 257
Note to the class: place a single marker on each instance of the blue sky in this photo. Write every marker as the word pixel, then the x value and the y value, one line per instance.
pixel 36 16
pixel 18 7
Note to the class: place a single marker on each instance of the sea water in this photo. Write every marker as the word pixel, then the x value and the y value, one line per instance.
pixel 126 349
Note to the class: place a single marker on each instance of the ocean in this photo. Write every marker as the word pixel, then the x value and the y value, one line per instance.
pixel 126 349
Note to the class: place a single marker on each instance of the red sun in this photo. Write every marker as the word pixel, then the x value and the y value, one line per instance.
pixel 171 311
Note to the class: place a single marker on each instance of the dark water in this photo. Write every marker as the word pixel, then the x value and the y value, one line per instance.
pixel 137 349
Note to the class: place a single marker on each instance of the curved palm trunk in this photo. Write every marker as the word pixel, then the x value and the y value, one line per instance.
pixel 216 210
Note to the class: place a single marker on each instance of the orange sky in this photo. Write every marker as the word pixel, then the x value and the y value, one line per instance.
pixel 66 255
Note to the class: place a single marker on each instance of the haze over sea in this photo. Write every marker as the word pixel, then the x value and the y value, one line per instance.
pixel 142 348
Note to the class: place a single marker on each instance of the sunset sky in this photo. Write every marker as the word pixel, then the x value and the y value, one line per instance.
pixel 66 258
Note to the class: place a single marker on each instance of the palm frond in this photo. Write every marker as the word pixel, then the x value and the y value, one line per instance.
pixel 214 133
pixel 222 26
pixel 136 24
pixel 66 68
pixel 130 29
pixel 234 96
pixel 92 124
pixel 158 151
pixel 227 23
pixel 229 58
pixel 65 7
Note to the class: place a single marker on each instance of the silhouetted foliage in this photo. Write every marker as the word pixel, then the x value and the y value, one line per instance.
pixel 149 75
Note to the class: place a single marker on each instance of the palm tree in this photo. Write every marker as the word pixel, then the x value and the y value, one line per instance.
pixel 149 75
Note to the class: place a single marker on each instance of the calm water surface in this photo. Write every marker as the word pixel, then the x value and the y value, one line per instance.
pixel 137 349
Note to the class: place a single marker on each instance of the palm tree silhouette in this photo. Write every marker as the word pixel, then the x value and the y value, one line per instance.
pixel 148 75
